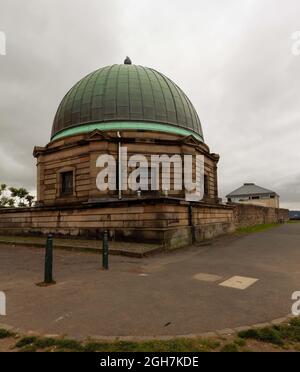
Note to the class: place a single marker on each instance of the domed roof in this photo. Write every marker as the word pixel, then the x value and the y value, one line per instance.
pixel 126 97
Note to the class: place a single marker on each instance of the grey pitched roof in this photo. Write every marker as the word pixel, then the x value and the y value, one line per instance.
pixel 250 189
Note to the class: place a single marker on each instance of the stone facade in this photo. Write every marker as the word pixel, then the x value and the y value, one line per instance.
pixel 151 217
pixel 79 154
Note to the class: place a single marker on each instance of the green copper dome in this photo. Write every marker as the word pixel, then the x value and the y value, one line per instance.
pixel 121 97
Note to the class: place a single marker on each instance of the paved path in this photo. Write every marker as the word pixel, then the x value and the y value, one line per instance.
pixel 169 294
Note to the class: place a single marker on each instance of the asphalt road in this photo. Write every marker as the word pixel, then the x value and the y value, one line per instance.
pixel 170 294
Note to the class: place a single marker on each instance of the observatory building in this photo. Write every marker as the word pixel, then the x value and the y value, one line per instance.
pixel 128 114
pixel 120 106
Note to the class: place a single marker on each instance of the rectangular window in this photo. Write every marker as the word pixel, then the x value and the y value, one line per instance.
pixel 206 187
pixel 67 183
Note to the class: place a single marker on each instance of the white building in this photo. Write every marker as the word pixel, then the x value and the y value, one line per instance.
pixel 250 193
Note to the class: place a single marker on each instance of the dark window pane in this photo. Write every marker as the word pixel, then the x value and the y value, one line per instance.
pixel 67 183
pixel 206 187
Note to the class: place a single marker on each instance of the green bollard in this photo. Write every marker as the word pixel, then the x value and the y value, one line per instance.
pixel 105 250
pixel 49 260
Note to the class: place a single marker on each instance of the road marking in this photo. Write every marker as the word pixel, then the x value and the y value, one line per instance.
pixel 239 282
pixel 207 277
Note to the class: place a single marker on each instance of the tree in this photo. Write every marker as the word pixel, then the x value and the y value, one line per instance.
pixel 14 197
pixel 30 199
pixel 5 199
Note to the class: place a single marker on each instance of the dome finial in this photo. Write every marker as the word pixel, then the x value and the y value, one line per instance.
pixel 127 61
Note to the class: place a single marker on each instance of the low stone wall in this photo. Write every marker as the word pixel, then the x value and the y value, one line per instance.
pixel 246 215
pixel 169 222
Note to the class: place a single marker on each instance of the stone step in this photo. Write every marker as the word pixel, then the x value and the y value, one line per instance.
pixel 136 250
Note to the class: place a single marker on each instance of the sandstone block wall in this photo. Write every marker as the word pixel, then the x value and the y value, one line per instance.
pixel 251 215
pixel 167 222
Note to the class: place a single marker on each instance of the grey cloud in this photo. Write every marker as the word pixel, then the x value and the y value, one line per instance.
pixel 232 58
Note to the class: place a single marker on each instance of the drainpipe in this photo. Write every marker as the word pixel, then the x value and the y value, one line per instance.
pixel 119 166
pixel 191 224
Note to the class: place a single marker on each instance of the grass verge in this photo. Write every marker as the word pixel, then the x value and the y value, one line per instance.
pixel 273 338
pixel 257 228
pixel 279 335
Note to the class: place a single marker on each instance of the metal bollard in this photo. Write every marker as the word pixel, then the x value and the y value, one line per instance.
pixel 49 260
pixel 105 250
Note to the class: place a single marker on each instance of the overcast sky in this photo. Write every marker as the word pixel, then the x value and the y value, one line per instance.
pixel 233 59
